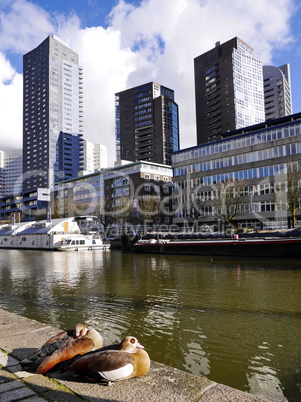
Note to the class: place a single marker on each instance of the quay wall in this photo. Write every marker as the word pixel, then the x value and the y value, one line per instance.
pixel 20 336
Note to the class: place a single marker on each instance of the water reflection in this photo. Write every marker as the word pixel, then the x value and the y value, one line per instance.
pixel 236 323
pixel 263 379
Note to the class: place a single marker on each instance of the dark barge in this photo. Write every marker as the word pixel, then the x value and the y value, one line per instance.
pixel 280 247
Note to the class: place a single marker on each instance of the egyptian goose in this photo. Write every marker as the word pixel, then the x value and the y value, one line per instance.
pixel 64 346
pixel 125 360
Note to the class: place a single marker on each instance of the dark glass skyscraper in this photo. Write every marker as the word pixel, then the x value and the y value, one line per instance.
pixel 147 124
pixel 52 104
pixel 228 90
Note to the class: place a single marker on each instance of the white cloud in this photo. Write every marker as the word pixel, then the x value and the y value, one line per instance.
pixel 156 41
pixel 23 25
pixel 10 106
pixel 187 28
pixel 6 71
pixel 106 69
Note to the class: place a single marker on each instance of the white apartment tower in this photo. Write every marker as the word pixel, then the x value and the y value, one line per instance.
pixel 95 156
pixel 100 156
pixel 52 104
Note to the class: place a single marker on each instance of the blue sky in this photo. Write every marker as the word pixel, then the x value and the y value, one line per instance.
pixel 90 12
pixel 126 43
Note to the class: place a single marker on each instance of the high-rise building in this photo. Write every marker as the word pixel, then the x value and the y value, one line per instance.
pixel 100 157
pixel 88 156
pixel 147 124
pixel 277 91
pixel 228 90
pixel 11 169
pixel 95 157
pixel 1 182
pixel 70 156
pixel 52 104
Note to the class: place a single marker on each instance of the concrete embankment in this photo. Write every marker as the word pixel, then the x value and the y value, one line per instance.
pixel 20 336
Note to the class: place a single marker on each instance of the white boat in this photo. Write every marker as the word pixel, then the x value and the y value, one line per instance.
pixel 38 235
pixel 62 233
pixel 82 242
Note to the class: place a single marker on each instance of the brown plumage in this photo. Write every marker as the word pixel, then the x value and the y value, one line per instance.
pixel 125 360
pixel 62 347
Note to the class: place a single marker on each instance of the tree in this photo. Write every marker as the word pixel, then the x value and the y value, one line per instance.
pixel 121 211
pixel 228 198
pixel 290 197
pixel 149 208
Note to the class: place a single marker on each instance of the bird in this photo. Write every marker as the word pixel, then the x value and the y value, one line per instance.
pixel 125 360
pixel 53 344
pixel 62 347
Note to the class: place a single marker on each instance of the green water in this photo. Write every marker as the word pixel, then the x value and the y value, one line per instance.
pixel 237 322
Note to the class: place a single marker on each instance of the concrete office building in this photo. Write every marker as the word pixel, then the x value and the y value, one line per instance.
pixel 147 124
pixel 52 104
pixel 277 91
pixel 257 159
pixel 228 90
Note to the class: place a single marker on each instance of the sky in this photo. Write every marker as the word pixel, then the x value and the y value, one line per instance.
pixel 125 43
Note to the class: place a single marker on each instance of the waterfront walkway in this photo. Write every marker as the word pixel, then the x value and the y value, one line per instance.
pixel 20 336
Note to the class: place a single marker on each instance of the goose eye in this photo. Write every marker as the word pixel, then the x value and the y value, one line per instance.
pixel 132 340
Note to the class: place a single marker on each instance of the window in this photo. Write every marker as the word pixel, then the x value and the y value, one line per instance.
pixel 267 206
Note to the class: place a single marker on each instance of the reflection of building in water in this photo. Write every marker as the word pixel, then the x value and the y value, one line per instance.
pixel 238 275
pixel 196 359
pixel 71 267
pixel 67 270
pixel 160 263
pixel 262 377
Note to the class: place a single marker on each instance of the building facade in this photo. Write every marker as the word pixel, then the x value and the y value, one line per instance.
pixel 95 156
pixel 70 157
pixel 228 90
pixel 253 165
pixel 1 172
pixel 11 172
pixel 123 193
pixel 100 157
pixel 146 124
pixel 52 104
pixel 277 91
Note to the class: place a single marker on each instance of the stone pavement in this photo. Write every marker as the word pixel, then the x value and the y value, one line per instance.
pixel 20 336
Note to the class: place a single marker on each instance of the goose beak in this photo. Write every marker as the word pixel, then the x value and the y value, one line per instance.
pixel 139 346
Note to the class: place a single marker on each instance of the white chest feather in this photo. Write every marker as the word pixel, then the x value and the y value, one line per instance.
pixel 118 374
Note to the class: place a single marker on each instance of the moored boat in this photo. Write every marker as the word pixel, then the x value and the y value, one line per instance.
pixel 82 242
pixel 283 247
pixel 52 234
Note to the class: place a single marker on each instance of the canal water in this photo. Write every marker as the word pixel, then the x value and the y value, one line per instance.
pixel 237 322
